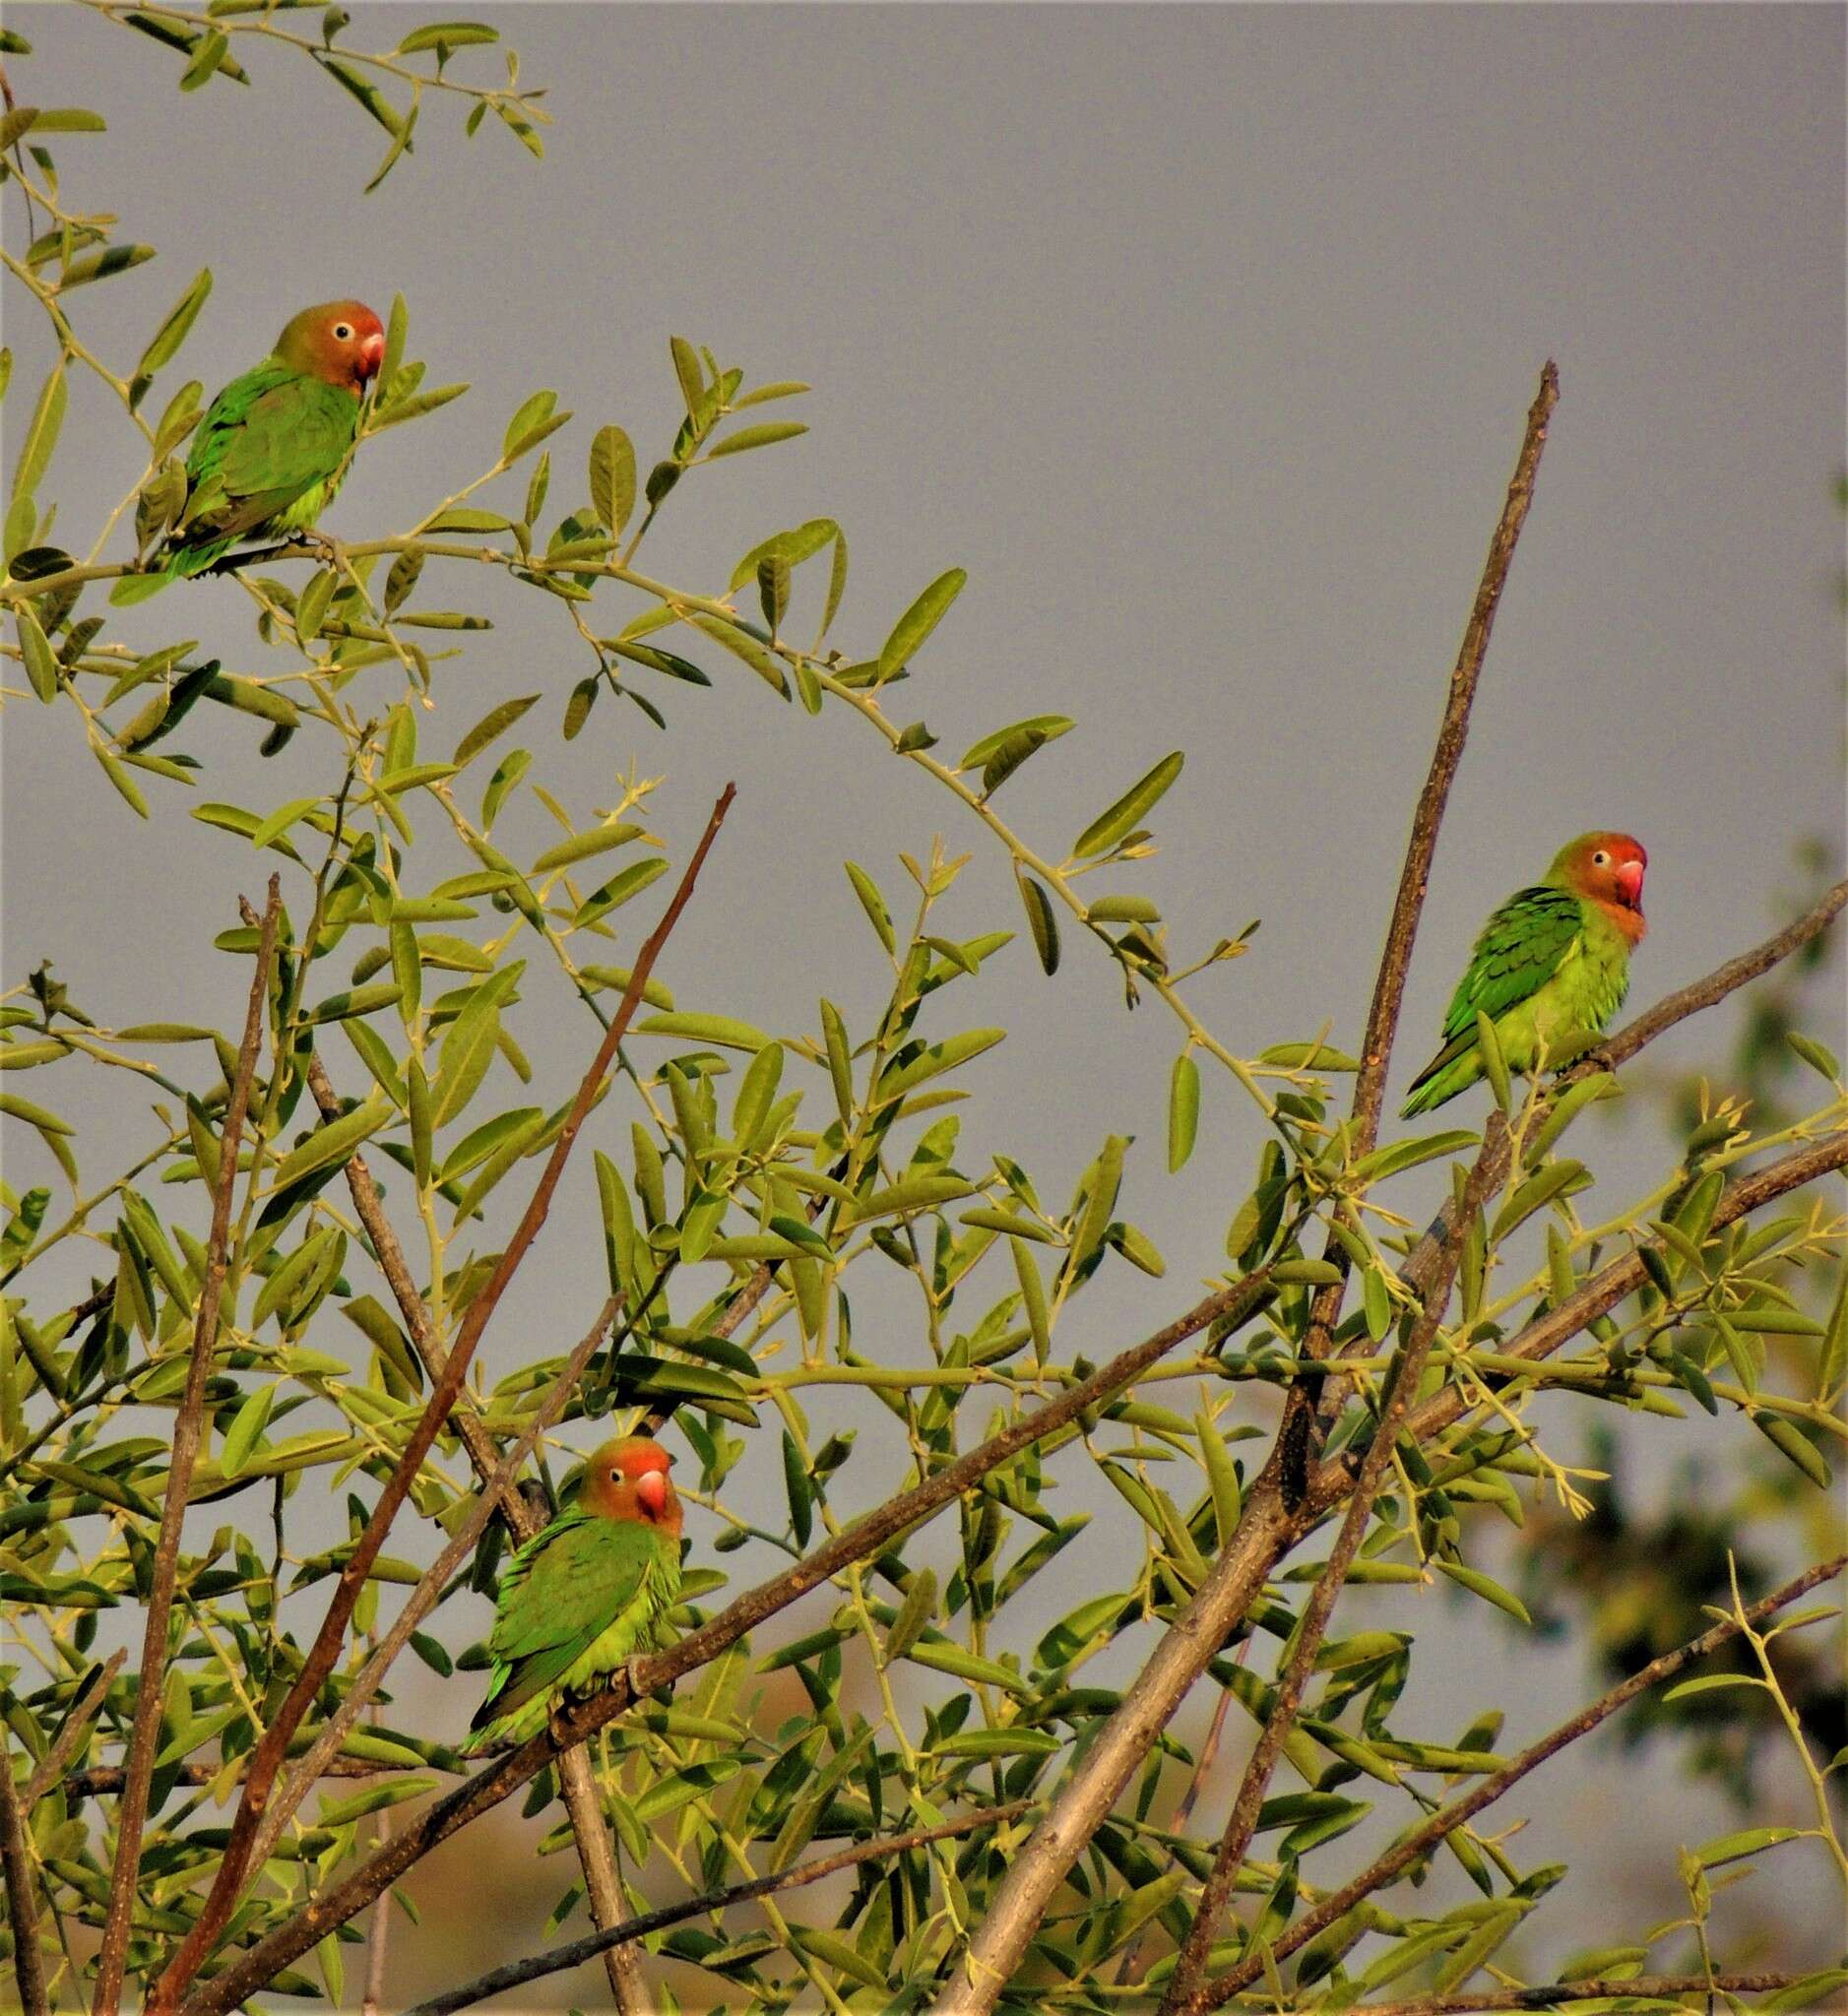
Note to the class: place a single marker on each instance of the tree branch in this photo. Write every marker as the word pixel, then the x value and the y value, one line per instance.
pixel 1210 1994
pixel 16 1863
pixel 49 1769
pixel 319 1662
pixel 1307 1641
pixel 867 1536
pixel 516 1973
pixel 603 1883
pixel 1300 1439
pixel 143 1734
pixel 1568 1995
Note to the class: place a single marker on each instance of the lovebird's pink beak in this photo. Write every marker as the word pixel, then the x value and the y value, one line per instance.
pixel 652 1488
pixel 371 355
pixel 1628 881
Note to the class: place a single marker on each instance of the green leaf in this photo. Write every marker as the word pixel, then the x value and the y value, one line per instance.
pixel 1111 827
pixel 42 666
pixel 693 379
pixel 741 644
pixel 1042 727
pixel 1184 1110
pixel 917 1610
pixel 394 1792
pixel 612 477
pixel 1404 1154
pixel 1818 1056
pixel 918 622
pixel 581 847
pixel 793 546
pixel 759 436
pixel 872 902
pixel 898 1079
pixel 241 1438
pixel 1790 1441
pixel 723 1030
pixel 443 35
pixel 533 420
pixel 618 890
pixel 1732 1848
pixel 915 1193
pixel 1479 1584
pixel 335 1141
pixel 41 433
pixel 1041 921
pixel 364 92
pixel 1124 910
pixel 492 724
pixel 800 1491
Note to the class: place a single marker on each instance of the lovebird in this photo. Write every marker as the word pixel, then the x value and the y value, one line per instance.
pixel 272 449
pixel 579 1598
pixel 1551 968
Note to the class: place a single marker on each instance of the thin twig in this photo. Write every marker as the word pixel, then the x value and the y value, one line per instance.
pixel 29 1964
pixel 1308 1638
pixel 516 1973
pixel 1303 1412
pixel 1700 1987
pixel 99 1781
pixel 50 1767
pixel 143 1734
pixel 319 1662
pixel 1210 1994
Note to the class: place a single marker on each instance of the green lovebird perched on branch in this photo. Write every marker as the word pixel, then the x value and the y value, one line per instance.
pixel 273 446
pixel 583 1595
pixel 1550 969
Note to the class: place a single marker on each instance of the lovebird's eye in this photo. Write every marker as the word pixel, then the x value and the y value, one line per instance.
pixel 344 331
pixel 1601 860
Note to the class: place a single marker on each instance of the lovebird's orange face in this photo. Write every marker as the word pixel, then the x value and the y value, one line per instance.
pixel 340 342
pixel 627 1479
pixel 1608 868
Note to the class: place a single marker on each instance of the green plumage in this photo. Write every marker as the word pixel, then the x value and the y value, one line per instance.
pixel 1549 969
pixel 266 462
pixel 576 1601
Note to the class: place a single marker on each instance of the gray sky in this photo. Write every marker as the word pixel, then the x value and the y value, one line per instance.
pixel 1202 336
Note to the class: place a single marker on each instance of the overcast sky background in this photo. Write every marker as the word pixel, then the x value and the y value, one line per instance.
pixel 1203 338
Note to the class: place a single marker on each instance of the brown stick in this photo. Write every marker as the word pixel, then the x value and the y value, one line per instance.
pixel 132 1817
pixel 1300 1439
pixel 518 1972
pixel 98 1781
pixel 1287 1699
pixel 242 1976
pixel 16 1863
pixel 50 1767
pixel 319 1662
pixel 603 1883
pixel 1210 1994
pixel 1566 1994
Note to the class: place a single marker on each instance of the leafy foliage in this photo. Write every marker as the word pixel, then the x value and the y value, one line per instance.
pixel 751 1185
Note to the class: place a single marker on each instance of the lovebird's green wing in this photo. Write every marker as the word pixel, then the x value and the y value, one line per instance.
pixel 268 440
pixel 557 1597
pixel 1520 948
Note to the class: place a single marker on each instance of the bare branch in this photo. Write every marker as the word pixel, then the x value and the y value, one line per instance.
pixel 1308 1639
pixel 98 1781
pixel 867 1536
pixel 1301 1442
pixel 143 1734
pixel 319 1662
pixel 50 1767
pixel 1209 1995
pixel 518 1972
pixel 16 1863
pixel 1568 1995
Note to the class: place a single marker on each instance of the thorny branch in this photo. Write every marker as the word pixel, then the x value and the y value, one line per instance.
pixel 144 1736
